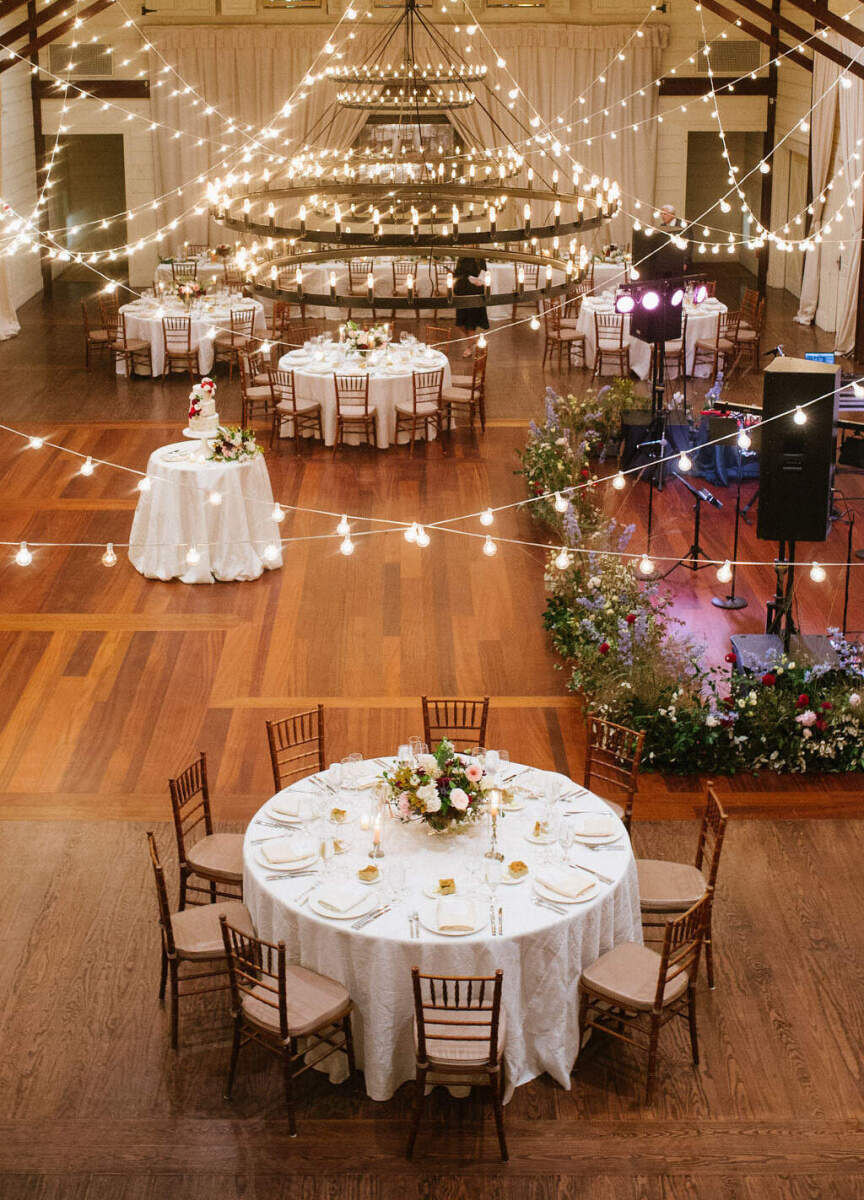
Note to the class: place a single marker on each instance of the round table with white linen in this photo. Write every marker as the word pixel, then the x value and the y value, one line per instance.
pixel 208 273
pixel 701 323
pixel 540 952
pixel 144 321
pixel 236 539
pixel 608 274
pixel 390 383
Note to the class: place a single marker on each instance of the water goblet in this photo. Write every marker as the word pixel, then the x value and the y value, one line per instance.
pixel 493 763
pixel 403 754
pixel 416 744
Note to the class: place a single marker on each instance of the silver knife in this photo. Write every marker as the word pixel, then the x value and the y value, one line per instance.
pixel 370 917
pixel 591 871
pixel 291 875
pixel 556 908
pixel 500 920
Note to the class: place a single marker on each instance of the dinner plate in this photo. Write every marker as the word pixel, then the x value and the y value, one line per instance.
pixel 427 913
pixel 546 893
pixel 592 840
pixel 545 839
pixel 301 864
pixel 359 910
pixel 508 880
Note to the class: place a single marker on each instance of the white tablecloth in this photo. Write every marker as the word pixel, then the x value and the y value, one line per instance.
pixel 540 953
pixel 608 275
pixel 144 321
pixel 701 323
pixel 176 513
pixel 209 272
pixel 387 386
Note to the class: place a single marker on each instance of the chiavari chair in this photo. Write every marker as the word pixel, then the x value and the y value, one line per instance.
pixel 462 722
pixel 179 351
pixel 424 413
pixel 612 754
pixel 557 335
pixel 217 858
pixel 674 353
pixel 131 349
pixel 191 939
pixel 354 414
pixel 721 347
pixel 233 279
pixel 532 283
pixel 184 270
pixel 298 333
pixel 459 1032
pixel 609 344
pixel 95 337
pixel 670 887
pixel 438 336
pixel 296 746
pixel 631 992
pixel 402 268
pixel 295 1013
pixel 228 344
pixel 280 321
pixel 571 307
pixel 109 313
pixel 468 392
pixel 255 389
pixel 749 307
pixel 749 340
pixel 441 268
pixel 359 269
pixel 304 415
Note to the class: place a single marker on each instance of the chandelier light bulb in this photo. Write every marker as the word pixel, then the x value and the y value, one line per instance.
pixel 192 555
pixel 489 547
pixel 800 416
pixel 278 513
pixel 422 536
pixel 724 573
pixel 684 461
pixel 36 443
pixel 744 440
pixel 346 546
pixel 561 503
pixel 487 517
pixel 646 566
pixel 817 573
pixel 109 558
pixel 619 481
pixel 343 528
pixel 23 556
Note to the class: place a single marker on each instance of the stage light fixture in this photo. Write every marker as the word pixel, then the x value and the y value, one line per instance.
pixel 650 300
pixel 624 304
pixel 700 293
pixel 677 297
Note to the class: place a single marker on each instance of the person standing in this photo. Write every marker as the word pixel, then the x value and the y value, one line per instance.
pixel 468 281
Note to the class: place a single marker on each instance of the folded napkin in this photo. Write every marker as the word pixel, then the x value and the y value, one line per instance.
pixel 456 914
pixel 597 825
pixel 366 775
pixel 566 881
pixel 286 804
pixel 342 897
pixel 287 850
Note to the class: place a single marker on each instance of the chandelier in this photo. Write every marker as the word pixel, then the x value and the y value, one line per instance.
pixel 411 204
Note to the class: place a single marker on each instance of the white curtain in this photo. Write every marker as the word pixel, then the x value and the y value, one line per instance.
pixel 8 318
pixel 851 134
pixel 822 121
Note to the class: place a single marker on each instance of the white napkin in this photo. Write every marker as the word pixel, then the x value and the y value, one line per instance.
pixel 456 914
pixel 287 850
pixel 565 881
pixel 366 775
pixel 342 897
pixel 286 804
pixel 596 825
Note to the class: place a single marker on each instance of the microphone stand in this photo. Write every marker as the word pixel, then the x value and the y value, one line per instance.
pixel 691 559
pixel 733 601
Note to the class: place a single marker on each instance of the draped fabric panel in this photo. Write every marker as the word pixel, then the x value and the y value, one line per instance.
pixel 851 134
pixel 249 73
pixel 9 326
pixel 822 121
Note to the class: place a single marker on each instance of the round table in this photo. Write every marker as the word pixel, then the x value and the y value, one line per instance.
pixel 144 321
pixel 389 383
pixel 701 323
pixel 209 272
pixel 541 953
pixel 176 514
pixel 608 274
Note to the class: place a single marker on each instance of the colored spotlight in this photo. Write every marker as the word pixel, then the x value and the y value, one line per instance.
pixel 700 293
pixel 624 304
pixel 677 297
pixel 650 301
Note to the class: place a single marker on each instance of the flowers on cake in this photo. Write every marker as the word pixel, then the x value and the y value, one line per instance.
pixel 233 444
pixel 362 340
pixel 202 398
pixel 442 789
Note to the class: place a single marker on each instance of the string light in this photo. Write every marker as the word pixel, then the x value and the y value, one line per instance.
pixel 411 533
pixel 422 538
pixel 562 560
pixel 271 553
pixel 489 547
pixel 109 558
pixel 684 461
pixel 619 481
pixel 24 556
pixel 817 573
pixel 215 498
pixel 144 484
pixel 799 416
pixel 646 566
pixel 346 546
pixel 487 517
pixel 278 513
pixel 744 440
pixel 344 528
pixel 561 503
pixel 35 443
pixel 724 573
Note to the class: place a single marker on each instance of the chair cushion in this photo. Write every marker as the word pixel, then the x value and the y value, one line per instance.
pixel 569 322
pixel 218 856
pixel 726 345
pixel 425 408
pixel 668 886
pixel 197 933
pixel 710 346
pixel 628 974
pixel 355 412
pixel 312 1001
pixel 747 335
pixel 618 809
pixel 258 393
pixel 461 1054
pixel 461 381
pixel 303 406
pixel 569 335
pixel 133 345
pixel 453 395
pixel 261 380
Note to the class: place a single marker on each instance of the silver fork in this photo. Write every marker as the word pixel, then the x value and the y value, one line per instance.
pixel 291 875
pixel 556 908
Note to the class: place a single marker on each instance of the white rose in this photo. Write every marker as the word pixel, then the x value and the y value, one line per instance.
pixel 594 581
pixel 428 795
pixel 854 700
pixel 459 799
pixel 710 721
pixel 427 763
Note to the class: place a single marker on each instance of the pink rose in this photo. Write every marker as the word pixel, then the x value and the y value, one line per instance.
pixel 459 799
pixel 474 772
pixel 807 718
pixel 404 805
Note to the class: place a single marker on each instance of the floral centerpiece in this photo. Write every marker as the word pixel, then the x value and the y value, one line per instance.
pixel 361 341
pixel 223 250
pixel 189 290
pixel 441 789
pixel 232 443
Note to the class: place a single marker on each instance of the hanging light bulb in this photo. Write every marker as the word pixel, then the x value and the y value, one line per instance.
pixel 535 324
pixel 36 443
pixel 422 536
pixel 646 566
pixel 144 484
pixel 619 481
pixel 215 498
pixel 800 415
pixel 87 467
pixel 192 555
pixel 562 560
pixel 481 342
pixel 744 440
pixel 411 533
pixel 278 513
pixel 684 462
pixel 346 546
pixel 724 573
pixel 487 517
pixel 817 573
pixel 561 503
pixel 23 556
pixel 489 547
pixel 343 528
pixel 109 558
pixel 270 553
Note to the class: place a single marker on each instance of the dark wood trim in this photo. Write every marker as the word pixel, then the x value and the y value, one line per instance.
pixel 29 27
pixel 817 46
pixel 767 150
pixel 97 89
pixel 720 10
pixel 829 19
pixel 7 7
pixel 41 157
pixel 698 85
pixel 44 39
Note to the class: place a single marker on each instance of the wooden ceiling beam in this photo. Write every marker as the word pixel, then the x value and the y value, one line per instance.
pixel 761 35
pixel 52 35
pixel 698 85
pixel 7 7
pixel 25 29
pixel 817 45
pixel 822 14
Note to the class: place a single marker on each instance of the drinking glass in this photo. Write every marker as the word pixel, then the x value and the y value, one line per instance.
pixel 350 769
pixel 396 880
pixel 493 763
pixel 334 775
pixel 417 746
pixel 493 871
pixel 565 839
pixel 403 754
pixel 504 760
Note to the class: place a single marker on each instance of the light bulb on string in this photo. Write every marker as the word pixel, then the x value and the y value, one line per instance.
pixel 36 443
pixel 646 566
pixel 817 573
pixel 562 559
pixel 481 342
pixel 193 555
pixel 724 573
pixel 487 517
pixel 278 513
pixel 109 558
pixel 561 503
pixel 489 547
pixel 744 440
pixel 24 556
pixel 684 462
pixel 410 534
pixel 87 467
pixel 799 416
pixel 619 481
pixel 343 528
pixel 346 546
pixel 422 536
pixel 534 323
pixel 144 484
pixel 271 553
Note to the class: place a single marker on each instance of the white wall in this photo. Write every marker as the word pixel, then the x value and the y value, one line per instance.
pixel 18 174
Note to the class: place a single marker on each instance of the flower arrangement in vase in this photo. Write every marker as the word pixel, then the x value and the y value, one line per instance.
pixel 360 341
pixel 188 291
pixel 223 250
pixel 441 789
pixel 232 443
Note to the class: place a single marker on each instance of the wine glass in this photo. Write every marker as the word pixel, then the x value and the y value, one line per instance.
pixel 504 761
pixel 417 746
pixel 493 764
pixel 350 769
pixel 403 754
pixel 396 879
pixel 493 872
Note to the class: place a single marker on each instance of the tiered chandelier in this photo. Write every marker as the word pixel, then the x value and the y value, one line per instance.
pixel 416 205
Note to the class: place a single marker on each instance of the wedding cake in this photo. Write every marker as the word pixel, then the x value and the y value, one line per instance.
pixel 203 417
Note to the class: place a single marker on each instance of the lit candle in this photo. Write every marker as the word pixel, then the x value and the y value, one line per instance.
pixel 376 831
pixel 555 180
pixel 449 285
pixel 492 218
pixel 302 219
pixel 548 278
pixel 520 280
pixel 493 804
pixel 415 223
pixel 455 217
pixel 364 822
pixel 526 214
pixel 332 285
pixel 530 177
pixel 271 213
pixel 370 286
pixel 557 211
pixel 376 222
pixel 409 283
pixel 487 284
pixel 337 217
pixel 298 279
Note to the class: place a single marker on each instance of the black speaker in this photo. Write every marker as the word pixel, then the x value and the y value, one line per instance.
pixel 796 464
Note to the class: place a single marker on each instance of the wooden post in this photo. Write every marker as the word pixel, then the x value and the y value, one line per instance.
pixel 39 149
pixel 767 147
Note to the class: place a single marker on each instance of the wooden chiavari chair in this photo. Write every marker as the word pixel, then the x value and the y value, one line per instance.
pixel 459 1032
pixel 228 344
pixel 216 858
pixel 95 337
pixel 289 1010
pixel 255 389
pixel 402 268
pixel 612 754
pixel 296 746
pixel 750 302
pixel 109 312
pixel 441 268
pixel 532 283
pixel 424 411
pixel 304 415
pixel 192 937
pixel 723 346
pixel 233 279
pixel 471 397
pixel 462 722
pixel 438 336
pixel 749 340
pixel 179 351
pixel 184 270
pixel 674 353
pixel 130 349
pixel 610 345
pixel 280 321
pixel 354 414
pixel 286 283
pixel 557 335
pixel 572 306
pixel 196 249
pixel 298 333
pixel 670 887
pixel 358 271
pixel 632 992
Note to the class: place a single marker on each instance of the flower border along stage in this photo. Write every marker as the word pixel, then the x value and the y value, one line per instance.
pixel 631 658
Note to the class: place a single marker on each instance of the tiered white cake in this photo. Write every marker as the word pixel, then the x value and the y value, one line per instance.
pixel 203 417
